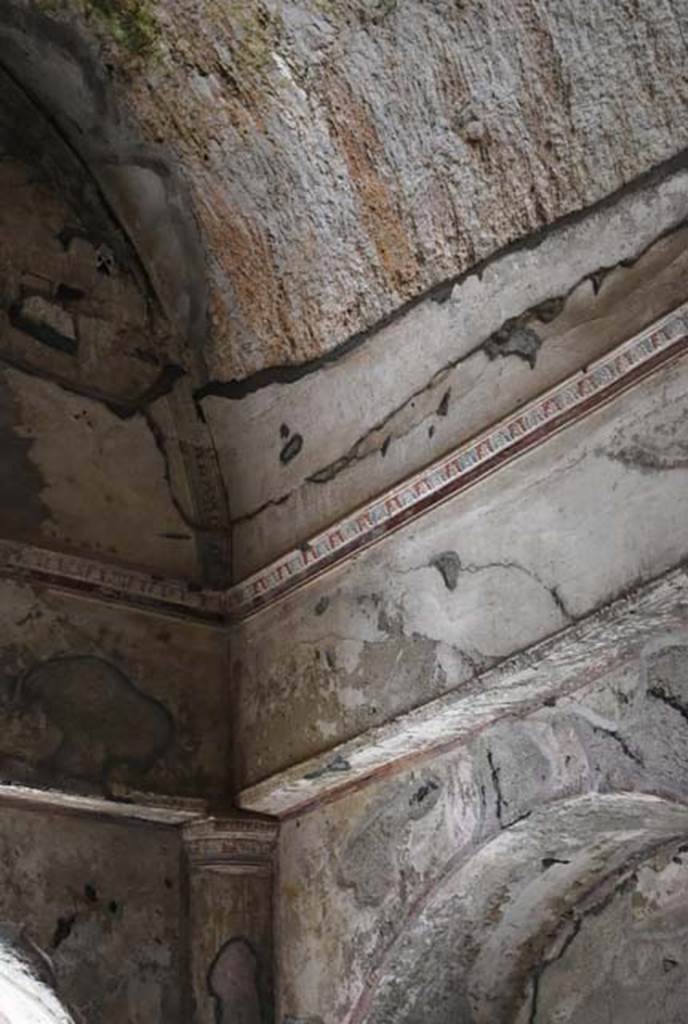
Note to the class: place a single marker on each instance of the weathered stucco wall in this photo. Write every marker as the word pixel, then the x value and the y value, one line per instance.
pixel 299 455
pixel 628 949
pixel 102 449
pixel 114 702
pixel 103 901
pixel 276 256
pixel 276 180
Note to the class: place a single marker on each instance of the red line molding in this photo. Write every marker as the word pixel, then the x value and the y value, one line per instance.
pixel 533 423
pixel 108 582
pixel 529 426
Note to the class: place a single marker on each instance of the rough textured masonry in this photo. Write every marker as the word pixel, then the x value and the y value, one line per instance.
pixel 268 267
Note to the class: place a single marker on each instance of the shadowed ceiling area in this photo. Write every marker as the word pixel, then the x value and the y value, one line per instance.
pixel 101 441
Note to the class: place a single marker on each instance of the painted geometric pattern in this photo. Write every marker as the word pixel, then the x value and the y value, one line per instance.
pixel 538 419
pixel 585 390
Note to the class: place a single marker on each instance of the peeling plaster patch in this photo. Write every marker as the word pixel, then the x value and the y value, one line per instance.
pixel 443 407
pixel 368 861
pixel 512 340
pixel 626 944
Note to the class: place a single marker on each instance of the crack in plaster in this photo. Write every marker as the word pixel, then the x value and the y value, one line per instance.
pixel 450 568
pixel 123 408
pixel 618 738
pixel 126 409
pixel 660 693
pixel 500 801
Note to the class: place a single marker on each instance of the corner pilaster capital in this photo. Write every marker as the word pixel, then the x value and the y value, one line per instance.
pixel 240 845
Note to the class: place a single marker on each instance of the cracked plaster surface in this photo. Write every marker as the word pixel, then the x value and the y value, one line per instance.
pixel 105 451
pixel 560 532
pixel 88 458
pixel 432 379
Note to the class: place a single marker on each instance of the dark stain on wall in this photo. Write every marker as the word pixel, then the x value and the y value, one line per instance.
pixel 95 725
pixel 21 510
pixel 291 449
pixel 236 981
pixel 514 339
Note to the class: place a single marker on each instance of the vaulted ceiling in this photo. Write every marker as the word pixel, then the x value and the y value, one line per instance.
pixel 202 199
pixel 336 160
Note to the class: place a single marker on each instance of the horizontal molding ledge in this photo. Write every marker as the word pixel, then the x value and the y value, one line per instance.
pixel 523 430
pixel 169 812
pixel 108 582
pixel 552 669
pixel 528 427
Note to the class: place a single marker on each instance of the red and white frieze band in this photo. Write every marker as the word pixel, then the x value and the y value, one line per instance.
pixel 563 404
pixel 108 582
pixel 528 426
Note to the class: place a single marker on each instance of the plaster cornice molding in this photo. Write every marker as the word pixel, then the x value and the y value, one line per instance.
pixel 155 810
pixel 554 669
pixel 526 428
pixel 108 582
pixel 236 845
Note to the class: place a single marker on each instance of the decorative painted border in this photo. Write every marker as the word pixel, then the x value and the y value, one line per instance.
pixel 532 423
pixel 108 582
pixel 563 404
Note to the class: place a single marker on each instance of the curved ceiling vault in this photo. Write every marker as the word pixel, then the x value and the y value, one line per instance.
pixel 259 185
pixel 343 158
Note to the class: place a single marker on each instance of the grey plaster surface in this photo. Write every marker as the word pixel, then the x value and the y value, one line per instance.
pixel 565 529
